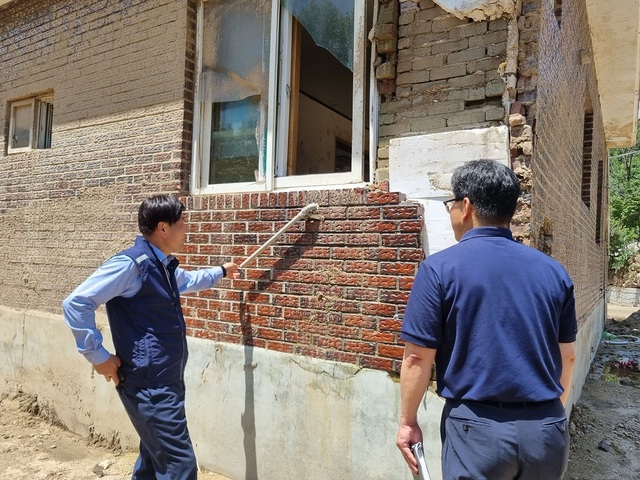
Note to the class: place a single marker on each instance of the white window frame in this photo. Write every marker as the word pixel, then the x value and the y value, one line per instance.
pixel 276 139
pixel 38 130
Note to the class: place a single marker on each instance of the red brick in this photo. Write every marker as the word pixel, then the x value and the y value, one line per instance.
pixel 392 351
pixel 398 268
pixel 375 363
pixel 359 347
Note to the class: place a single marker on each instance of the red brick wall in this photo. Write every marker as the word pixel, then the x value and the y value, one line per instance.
pixel 331 289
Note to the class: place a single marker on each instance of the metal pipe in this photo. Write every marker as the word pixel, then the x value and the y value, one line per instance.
pixel 303 212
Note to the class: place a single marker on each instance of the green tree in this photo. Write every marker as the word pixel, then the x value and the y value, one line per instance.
pixel 624 203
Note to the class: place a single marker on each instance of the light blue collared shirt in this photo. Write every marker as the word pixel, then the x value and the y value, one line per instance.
pixel 119 276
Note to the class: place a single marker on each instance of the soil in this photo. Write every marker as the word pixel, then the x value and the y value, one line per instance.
pixel 35 446
pixel 604 426
pixel 605 423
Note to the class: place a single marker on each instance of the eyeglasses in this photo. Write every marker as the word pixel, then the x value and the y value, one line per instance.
pixel 447 203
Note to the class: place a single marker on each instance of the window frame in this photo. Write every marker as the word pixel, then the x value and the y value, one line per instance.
pixel 278 115
pixel 40 129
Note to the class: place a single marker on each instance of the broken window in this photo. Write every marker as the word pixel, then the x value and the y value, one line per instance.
pixel 30 124
pixel 282 93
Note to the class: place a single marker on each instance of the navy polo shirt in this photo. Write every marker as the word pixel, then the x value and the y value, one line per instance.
pixel 496 311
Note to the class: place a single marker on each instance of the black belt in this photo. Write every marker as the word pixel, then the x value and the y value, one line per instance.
pixel 510 405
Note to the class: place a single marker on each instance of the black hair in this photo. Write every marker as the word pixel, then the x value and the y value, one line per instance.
pixel 492 188
pixel 158 208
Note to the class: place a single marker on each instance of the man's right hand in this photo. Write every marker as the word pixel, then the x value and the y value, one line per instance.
pixel 232 270
pixel 407 436
pixel 109 369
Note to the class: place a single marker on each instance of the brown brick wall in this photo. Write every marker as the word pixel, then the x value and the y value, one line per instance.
pixel 561 223
pixel 122 76
pixel 447 74
pixel 118 76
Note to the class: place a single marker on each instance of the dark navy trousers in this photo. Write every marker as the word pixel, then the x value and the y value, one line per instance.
pixel 504 441
pixel 158 415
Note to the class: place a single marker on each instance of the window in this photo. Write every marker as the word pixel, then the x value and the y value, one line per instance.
pixel 282 96
pixel 587 158
pixel 30 125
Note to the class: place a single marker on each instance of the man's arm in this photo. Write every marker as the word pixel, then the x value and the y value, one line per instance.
pixel 415 375
pixel 195 280
pixel 568 352
pixel 118 276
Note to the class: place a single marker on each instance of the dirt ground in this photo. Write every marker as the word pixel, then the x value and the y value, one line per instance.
pixel 605 426
pixel 605 423
pixel 33 446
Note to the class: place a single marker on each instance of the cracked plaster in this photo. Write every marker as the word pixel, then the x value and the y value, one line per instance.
pixel 478 10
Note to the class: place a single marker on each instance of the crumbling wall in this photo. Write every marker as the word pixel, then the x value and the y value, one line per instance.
pixel 448 75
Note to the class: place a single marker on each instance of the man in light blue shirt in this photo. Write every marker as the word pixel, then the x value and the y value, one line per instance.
pixel 141 289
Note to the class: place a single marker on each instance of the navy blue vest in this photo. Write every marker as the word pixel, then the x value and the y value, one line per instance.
pixel 148 329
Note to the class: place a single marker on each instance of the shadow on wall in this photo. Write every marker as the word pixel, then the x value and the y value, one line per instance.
pixel 248 420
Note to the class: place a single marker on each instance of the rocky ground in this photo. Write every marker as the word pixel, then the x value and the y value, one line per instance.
pixel 605 423
pixel 605 426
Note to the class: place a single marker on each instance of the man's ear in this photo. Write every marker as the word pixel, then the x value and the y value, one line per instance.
pixel 467 208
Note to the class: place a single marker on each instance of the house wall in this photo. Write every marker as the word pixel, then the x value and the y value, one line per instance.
pixel 457 75
pixel 117 74
pixel 561 224
pixel 329 295
pixel 312 316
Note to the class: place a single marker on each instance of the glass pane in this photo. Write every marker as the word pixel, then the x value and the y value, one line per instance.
pixel 234 147
pixel 235 82
pixel 330 24
pixel 22 121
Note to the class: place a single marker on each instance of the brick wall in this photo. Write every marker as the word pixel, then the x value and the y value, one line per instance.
pixel 561 224
pixel 330 289
pixel 447 74
pixel 118 76
pixel 122 77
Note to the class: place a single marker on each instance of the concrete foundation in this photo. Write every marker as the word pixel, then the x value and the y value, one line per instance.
pixel 253 414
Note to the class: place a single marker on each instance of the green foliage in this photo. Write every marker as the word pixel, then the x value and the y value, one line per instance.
pixel 624 202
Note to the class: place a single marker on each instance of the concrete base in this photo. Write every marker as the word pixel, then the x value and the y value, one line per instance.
pixel 253 414
pixel 589 335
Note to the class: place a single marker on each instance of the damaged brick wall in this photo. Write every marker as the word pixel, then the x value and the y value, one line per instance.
pixel 448 75
pixel 330 289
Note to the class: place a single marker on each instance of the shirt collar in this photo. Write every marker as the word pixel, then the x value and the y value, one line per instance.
pixel 164 259
pixel 487 232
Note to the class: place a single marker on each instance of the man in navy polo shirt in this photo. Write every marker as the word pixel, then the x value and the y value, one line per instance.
pixel 141 288
pixel 498 318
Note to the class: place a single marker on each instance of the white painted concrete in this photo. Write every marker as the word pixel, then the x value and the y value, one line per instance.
pixel 253 414
pixel 421 167
pixel 589 335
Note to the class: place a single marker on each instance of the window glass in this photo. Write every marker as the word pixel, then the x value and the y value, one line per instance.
pixel 234 86
pixel 22 123
pixel 330 24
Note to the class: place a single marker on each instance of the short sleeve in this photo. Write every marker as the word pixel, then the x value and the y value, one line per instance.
pixel 422 323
